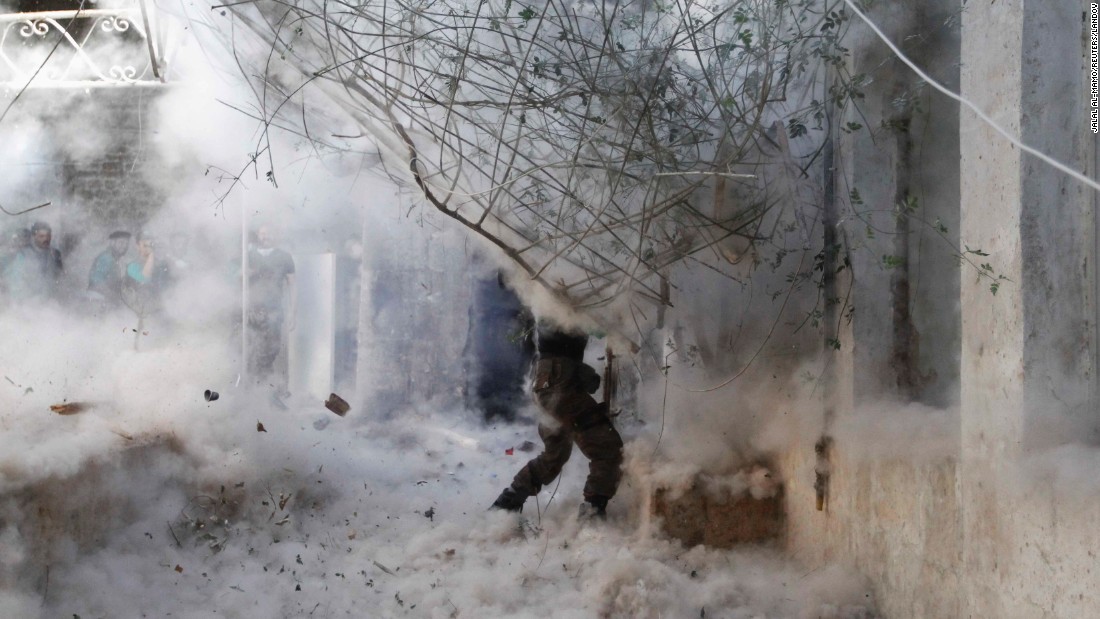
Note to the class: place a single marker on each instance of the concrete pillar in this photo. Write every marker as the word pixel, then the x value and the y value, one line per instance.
pixel 1026 359
pixel 906 322
pixel 1027 364
pixel 869 191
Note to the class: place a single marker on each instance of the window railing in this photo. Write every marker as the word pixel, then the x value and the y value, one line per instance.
pixel 80 48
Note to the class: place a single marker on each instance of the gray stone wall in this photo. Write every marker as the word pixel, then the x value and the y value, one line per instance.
pixel 1002 524
pixel 414 316
pixel 94 162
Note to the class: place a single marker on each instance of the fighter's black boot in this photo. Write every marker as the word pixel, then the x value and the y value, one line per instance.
pixel 594 508
pixel 509 500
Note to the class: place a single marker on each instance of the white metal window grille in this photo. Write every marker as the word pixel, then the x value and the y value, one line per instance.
pixel 80 48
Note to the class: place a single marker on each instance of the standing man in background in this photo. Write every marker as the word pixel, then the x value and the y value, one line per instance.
pixel 145 278
pixel 17 240
pixel 35 271
pixel 271 305
pixel 108 269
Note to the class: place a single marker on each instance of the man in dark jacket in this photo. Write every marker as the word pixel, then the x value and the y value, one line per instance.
pixel 108 269
pixel 271 305
pixel 562 386
pixel 35 271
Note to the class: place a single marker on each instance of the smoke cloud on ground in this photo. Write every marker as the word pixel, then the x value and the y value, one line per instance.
pixel 338 516
pixel 163 503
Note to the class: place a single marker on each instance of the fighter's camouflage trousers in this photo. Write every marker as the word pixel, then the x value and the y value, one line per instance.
pixel 579 419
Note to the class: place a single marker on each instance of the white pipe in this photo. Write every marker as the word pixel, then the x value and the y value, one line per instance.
pixel 982 115
pixel 244 291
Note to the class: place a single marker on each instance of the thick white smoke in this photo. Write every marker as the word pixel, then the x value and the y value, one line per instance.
pixel 241 508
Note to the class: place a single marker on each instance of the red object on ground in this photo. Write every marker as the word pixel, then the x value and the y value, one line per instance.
pixel 509 451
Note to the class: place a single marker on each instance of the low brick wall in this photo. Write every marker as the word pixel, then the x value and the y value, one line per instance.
pixel 718 519
pixel 56 518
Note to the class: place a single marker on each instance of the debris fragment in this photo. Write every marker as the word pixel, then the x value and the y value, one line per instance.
pixel 179 568
pixel 69 408
pixel 124 435
pixel 383 568
pixel 527 446
pixel 510 451
pixel 430 514
pixel 260 427
pixel 210 395
pixel 337 405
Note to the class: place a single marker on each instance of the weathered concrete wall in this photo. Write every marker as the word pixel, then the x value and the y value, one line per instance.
pixel 869 196
pixel 934 231
pixel 411 339
pixel 1026 360
pixel 94 160
pixel 906 322
pixel 896 522
pixel 1005 524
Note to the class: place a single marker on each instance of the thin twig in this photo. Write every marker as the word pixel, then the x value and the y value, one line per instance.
pixel 224 6
pixel 33 208
pixel 46 588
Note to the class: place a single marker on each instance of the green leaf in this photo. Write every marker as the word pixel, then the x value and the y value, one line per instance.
pixel 910 204
pixel 892 262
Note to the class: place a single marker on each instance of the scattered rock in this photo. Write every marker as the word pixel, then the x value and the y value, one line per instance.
pixel 337 405
pixel 69 408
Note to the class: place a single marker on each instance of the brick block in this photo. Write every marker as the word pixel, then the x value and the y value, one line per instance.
pixel 717 518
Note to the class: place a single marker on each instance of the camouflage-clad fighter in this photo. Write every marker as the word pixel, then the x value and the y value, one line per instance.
pixel 562 386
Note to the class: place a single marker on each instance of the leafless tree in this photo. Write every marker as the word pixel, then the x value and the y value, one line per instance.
pixel 596 144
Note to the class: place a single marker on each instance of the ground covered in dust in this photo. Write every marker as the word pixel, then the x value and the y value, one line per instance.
pixel 324 516
pixel 339 518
